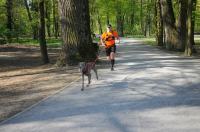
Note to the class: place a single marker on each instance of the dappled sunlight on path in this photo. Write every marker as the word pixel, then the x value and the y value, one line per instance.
pixel 148 91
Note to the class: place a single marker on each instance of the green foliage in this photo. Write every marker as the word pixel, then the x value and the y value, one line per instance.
pixel 130 9
pixel 22 26
pixel 3 29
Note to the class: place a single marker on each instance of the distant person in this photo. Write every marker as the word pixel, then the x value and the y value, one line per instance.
pixel 108 39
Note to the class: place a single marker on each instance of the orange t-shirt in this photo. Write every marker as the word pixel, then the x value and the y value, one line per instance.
pixel 109 38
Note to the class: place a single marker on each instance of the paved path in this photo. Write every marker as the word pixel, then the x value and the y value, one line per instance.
pixel 150 91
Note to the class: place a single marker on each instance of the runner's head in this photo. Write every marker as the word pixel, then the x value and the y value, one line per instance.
pixel 109 28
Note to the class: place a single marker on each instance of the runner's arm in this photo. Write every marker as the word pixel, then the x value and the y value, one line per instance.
pixel 102 40
pixel 117 36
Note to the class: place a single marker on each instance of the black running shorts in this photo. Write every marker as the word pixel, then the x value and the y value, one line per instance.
pixel 110 49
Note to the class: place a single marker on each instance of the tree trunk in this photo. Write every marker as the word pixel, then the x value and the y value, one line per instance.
pixel 149 24
pixel 193 21
pixel 171 35
pixel 99 24
pixel 55 19
pixel 146 23
pixel 159 24
pixel 120 20
pixel 48 16
pixel 43 46
pixel 120 24
pixel 9 6
pixel 30 18
pixel 92 13
pixel 149 17
pixel 132 17
pixel 182 30
pixel 107 18
pixel 76 34
pixel 141 17
pixel 28 10
pixel 189 45
pixel 86 47
pixel 132 20
pixel 35 8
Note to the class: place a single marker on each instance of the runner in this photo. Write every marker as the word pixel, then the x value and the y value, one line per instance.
pixel 108 39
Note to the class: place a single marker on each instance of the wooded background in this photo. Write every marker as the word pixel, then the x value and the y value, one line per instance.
pixel 172 22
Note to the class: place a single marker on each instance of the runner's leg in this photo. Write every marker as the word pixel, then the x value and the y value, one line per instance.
pixel 112 57
pixel 109 58
pixel 108 55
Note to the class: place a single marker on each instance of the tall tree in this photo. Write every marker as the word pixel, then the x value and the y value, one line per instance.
pixel 30 18
pixel 119 18
pixel 99 24
pixel 9 6
pixel 132 15
pixel 189 44
pixel 159 23
pixel 42 35
pixel 76 34
pixel 55 19
pixel 181 27
pixel 48 11
pixel 194 4
pixel 171 34
pixel 148 17
pixel 35 10
pixel 28 10
pixel 93 11
pixel 141 16
pixel 107 18
pixel 86 47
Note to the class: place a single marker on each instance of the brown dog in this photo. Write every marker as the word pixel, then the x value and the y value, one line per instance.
pixel 85 69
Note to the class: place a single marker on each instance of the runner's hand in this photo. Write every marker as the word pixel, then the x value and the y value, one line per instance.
pixel 102 44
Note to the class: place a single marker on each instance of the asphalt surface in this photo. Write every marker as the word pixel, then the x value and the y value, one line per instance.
pixel 149 91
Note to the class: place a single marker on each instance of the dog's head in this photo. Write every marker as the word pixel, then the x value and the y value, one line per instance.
pixel 81 66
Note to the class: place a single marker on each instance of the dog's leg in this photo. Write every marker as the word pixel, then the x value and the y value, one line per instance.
pixel 82 82
pixel 89 79
pixel 95 71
